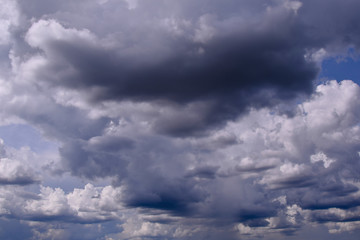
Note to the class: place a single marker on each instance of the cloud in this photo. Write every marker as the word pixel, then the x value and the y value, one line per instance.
pixel 9 19
pixel 208 72
pixel 216 67
pixel 88 205
pixel 179 120
pixel 236 175
pixel 14 171
pixel 82 205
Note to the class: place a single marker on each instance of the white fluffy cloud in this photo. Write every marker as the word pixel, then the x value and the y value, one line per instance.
pixel 87 205
pixel 15 168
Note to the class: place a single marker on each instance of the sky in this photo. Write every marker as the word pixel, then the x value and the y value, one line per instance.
pixel 179 119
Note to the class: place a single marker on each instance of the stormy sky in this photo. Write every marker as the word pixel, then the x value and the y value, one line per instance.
pixel 179 119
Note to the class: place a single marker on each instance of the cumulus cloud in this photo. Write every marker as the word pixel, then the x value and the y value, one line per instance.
pixel 267 172
pixel 88 205
pixel 14 171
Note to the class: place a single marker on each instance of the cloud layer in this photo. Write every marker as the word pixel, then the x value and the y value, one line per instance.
pixel 179 120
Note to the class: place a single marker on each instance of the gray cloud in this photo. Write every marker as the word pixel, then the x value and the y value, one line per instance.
pixel 184 56
pixel 302 159
pixel 254 66
pixel 180 106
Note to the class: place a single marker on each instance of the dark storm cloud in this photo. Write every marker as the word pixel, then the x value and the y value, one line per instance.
pixel 227 63
pixel 18 180
pixel 250 66
pixel 324 194
pixel 230 65
pixel 167 200
pixel 255 215
pixel 174 195
pixel 337 189
pixel 326 203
